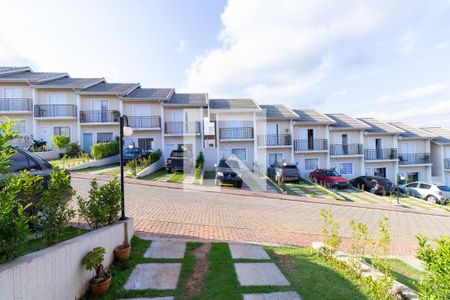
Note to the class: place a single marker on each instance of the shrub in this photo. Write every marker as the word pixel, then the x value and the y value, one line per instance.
pixel 54 206
pixel 102 150
pixel 198 173
pixel 6 136
pixel 200 160
pixel 103 204
pixel 61 141
pixel 155 155
pixel 330 228
pixel 361 240
pixel 436 281
pixel 73 150
pixel 132 165
pixel 93 261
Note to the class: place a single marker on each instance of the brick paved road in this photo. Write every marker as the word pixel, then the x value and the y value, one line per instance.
pixel 221 216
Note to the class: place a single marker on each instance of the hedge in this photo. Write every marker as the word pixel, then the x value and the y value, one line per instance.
pixel 102 150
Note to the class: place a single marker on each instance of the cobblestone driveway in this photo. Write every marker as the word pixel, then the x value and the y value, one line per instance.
pixel 222 216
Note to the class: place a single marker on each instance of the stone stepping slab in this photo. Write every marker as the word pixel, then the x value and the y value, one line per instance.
pixel 166 249
pixel 273 296
pixel 154 276
pixel 244 251
pixel 259 274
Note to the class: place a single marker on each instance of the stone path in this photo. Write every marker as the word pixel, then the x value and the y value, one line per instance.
pixel 260 271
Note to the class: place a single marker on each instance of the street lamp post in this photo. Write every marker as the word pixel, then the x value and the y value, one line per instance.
pixel 125 130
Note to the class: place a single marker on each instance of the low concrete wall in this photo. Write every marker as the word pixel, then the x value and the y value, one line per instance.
pixel 48 155
pixel 97 163
pixel 152 168
pixel 56 272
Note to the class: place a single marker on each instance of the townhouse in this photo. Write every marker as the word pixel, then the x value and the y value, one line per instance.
pixel 346 145
pixel 440 154
pixel 381 148
pixel 311 136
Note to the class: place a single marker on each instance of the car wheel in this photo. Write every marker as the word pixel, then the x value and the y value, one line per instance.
pixel 431 199
pixel 169 171
pixel 239 184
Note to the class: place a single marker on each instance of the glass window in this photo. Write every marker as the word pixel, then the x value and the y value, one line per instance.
pixel 412 184
pixel 311 164
pixel 240 153
pixel 145 143
pixel 444 188
pixel 65 131
pixel 346 169
pixel 274 158
pixel 19 162
pixel 20 126
pixel 424 186
pixel 103 137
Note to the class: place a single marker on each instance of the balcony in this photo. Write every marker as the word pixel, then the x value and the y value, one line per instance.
pixel 16 104
pixel 99 116
pixel 180 128
pixel 346 149
pixel 380 154
pixel 414 159
pixel 311 145
pixel 447 163
pixel 274 140
pixel 236 133
pixel 55 111
pixel 142 122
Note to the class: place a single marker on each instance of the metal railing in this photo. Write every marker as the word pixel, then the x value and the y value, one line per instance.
pixel 346 149
pixel 55 110
pixel 447 163
pixel 414 158
pixel 275 140
pixel 16 104
pixel 99 116
pixel 236 133
pixel 144 121
pixel 311 145
pixel 182 127
pixel 380 154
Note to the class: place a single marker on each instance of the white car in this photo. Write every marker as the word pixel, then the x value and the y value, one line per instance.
pixel 432 192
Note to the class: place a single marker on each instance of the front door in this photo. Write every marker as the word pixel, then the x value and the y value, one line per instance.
pixel 87 142
pixel 345 143
pixel 381 172
pixel 45 134
pixel 272 134
pixel 100 110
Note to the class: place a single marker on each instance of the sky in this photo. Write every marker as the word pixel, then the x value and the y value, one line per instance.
pixel 382 59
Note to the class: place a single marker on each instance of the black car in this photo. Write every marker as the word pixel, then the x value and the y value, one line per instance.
pixel 228 172
pixel 374 184
pixel 179 160
pixel 130 154
pixel 283 172
pixel 25 160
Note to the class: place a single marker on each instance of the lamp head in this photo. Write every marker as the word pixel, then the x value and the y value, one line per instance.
pixel 127 131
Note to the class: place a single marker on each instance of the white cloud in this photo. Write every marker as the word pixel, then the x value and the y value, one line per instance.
pixel 282 49
pixel 416 93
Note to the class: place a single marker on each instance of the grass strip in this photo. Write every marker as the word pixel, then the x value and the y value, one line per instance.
pixel 98 168
pixel 155 175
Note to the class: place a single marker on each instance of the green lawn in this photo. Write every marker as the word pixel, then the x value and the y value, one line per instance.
pixel 176 177
pixel 36 243
pixel 92 169
pixel 209 175
pixel 404 273
pixel 155 175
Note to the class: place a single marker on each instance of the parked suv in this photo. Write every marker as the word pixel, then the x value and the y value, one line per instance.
pixel 329 178
pixel 179 160
pixel 374 184
pixel 432 192
pixel 228 172
pixel 283 172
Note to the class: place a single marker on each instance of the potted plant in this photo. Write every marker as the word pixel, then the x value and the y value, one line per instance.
pixel 99 284
pixel 122 252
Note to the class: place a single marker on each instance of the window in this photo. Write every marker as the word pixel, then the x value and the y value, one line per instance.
pixel 275 157
pixel 346 168
pixel 412 184
pixel 18 162
pixel 412 176
pixel 12 93
pixel 380 172
pixel 424 186
pixel 57 99
pixel 20 126
pixel 240 153
pixel 65 131
pixel 311 164
pixel 145 143
pixel 103 137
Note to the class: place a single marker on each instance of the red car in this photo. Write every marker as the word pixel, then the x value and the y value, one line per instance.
pixel 329 178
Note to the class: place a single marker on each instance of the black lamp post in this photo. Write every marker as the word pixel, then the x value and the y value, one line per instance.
pixel 125 130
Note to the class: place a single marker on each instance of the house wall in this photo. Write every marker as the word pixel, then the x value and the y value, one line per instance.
pixel 263 155
pixel 391 169
pixel 354 136
pixel 437 158
pixel 357 165
pixel 194 114
pixel 25 88
pixel 421 145
pixel 248 145
pixel 42 95
pixel 94 129
pixel 320 131
pixel 51 124
pixel 155 107
pixel 28 120
pixel 154 134
pixel 300 161
pixel 172 142
pixel 423 171
pixel 389 141
pixel 284 126
pixel 86 101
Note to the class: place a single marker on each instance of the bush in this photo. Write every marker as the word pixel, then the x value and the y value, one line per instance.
pixel 54 206
pixel 200 160
pixel 6 136
pixel 73 150
pixel 61 141
pixel 132 165
pixel 155 155
pixel 103 204
pixel 436 281
pixel 102 150
pixel 93 261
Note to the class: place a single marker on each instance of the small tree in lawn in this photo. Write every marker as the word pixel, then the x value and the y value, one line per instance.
pixel 330 228
pixel 61 141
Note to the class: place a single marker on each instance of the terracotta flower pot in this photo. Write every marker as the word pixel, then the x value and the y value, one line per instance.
pixel 100 288
pixel 122 252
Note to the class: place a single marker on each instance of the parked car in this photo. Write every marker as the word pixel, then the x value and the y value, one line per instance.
pixel 329 178
pixel 373 184
pixel 282 171
pixel 179 160
pixel 432 192
pixel 135 153
pixel 228 172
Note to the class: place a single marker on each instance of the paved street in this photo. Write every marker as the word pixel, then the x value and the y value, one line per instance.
pixel 223 216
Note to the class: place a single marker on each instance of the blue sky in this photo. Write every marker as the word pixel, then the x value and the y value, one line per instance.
pixel 387 59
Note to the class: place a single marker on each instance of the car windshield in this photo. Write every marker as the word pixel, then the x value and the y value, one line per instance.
pixel 179 154
pixel 289 167
pixel 331 173
pixel 444 188
pixel 232 164
pixel 383 181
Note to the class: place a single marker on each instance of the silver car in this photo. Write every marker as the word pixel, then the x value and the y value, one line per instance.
pixel 432 192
